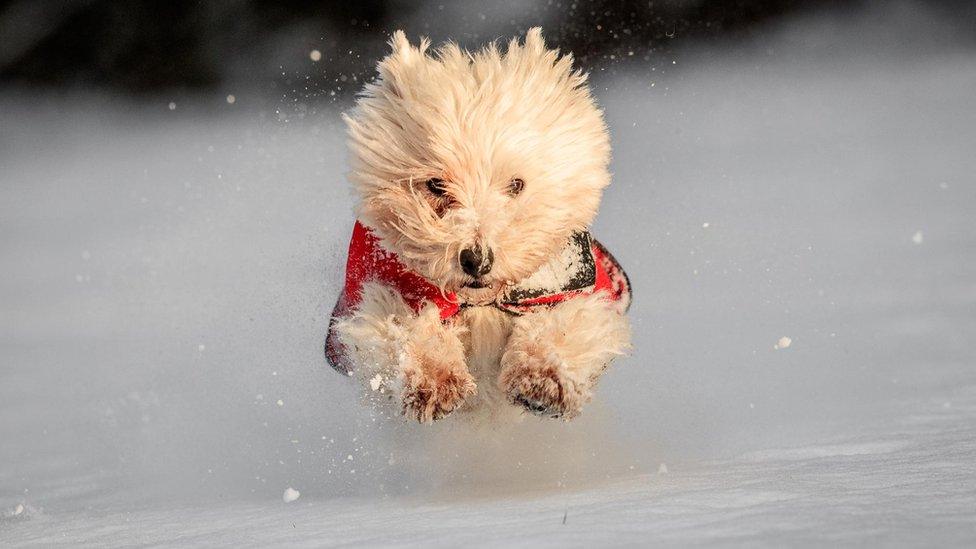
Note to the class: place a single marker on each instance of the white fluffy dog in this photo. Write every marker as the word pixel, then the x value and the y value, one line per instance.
pixel 472 282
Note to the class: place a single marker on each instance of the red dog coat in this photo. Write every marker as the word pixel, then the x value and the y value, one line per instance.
pixel 583 267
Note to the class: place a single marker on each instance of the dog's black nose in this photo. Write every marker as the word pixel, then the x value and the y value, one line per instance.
pixel 476 261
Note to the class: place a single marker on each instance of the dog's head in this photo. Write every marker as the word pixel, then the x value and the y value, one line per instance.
pixel 475 168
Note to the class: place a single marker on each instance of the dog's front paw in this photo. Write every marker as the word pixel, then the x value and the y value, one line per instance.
pixel 534 377
pixel 432 390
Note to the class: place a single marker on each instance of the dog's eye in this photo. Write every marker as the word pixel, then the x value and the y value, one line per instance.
pixel 515 186
pixel 436 186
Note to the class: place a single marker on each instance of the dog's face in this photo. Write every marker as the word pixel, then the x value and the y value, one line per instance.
pixel 475 168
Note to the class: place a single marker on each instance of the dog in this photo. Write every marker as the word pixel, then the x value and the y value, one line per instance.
pixel 472 282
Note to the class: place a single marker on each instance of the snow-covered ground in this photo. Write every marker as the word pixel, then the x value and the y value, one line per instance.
pixel 167 275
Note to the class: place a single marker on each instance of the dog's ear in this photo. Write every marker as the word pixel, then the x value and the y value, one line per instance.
pixel 402 59
pixel 402 52
pixel 533 45
pixel 532 56
pixel 534 40
pixel 399 45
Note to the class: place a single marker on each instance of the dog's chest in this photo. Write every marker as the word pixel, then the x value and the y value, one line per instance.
pixel 488 331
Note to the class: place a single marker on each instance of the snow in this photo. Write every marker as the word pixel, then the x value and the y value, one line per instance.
pixel 290 495
pixel 375 382
pixel 130 237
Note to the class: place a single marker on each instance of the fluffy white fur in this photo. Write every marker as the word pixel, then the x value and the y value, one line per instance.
pixel 477 121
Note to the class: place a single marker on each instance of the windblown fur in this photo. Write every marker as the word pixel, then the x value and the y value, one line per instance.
pixel 476 122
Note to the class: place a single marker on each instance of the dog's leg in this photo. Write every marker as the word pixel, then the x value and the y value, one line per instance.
pixel 554 356
pixel 411 358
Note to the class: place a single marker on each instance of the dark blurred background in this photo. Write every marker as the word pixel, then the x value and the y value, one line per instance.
pixel 139 47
